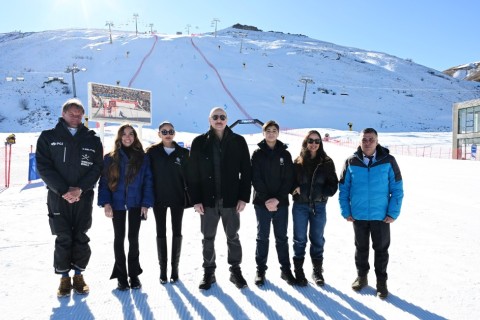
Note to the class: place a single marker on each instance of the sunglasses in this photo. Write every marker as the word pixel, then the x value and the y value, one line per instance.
pixel 316 141
pixel 170 132
pixel 222 117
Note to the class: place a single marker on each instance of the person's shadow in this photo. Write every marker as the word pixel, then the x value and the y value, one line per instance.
pixel 412 309
pixel 126 301
pixel 231 306
pixel 261 305
pixel 79 309
pixel 182 310
pixel 141 302
pixel 403 305
pixel 333 308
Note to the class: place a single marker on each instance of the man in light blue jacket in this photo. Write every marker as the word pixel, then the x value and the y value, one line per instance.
pixel 371 193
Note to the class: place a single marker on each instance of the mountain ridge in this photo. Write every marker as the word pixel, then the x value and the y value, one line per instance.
pixel 347 84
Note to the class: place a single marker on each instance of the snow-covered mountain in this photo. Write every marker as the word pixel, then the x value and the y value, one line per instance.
pixel 469 71
pixel 247 72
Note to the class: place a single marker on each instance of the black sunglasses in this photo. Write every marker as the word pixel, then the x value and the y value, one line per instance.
pixel 222 117
pixel 170 132
pixel 316 141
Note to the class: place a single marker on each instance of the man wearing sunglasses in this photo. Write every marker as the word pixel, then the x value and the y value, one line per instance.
pixel 371 193
pixel 219 178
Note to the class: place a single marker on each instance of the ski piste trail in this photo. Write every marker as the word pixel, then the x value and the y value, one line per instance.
pixel 211 65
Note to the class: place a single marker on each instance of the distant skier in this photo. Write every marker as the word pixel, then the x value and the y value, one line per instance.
pixel 122 115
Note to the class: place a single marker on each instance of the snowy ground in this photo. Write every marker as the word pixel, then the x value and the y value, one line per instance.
pixel 433 257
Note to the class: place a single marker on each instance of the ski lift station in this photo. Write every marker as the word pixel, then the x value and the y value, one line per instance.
pixel 466 129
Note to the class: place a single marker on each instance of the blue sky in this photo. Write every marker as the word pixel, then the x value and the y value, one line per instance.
pixel 438 34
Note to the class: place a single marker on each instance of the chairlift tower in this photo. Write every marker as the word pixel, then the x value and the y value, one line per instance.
pixel 74 69
pixel 214 24
pixel 242 36
pixel 135 17
pixel 305 80
pixel 110 25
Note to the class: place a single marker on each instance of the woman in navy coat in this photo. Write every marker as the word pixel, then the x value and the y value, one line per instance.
pixel 126 188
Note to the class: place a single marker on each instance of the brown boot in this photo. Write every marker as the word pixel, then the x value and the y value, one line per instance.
pixel 65 287
pixel 79 285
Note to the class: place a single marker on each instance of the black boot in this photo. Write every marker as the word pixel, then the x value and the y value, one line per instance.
pixel 299 274
pixel 176 250
pixel 382 291
pixel 162 258
pixel 317 275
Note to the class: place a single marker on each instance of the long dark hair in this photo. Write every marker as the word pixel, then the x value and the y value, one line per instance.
pixel 134 164
pixel 305 154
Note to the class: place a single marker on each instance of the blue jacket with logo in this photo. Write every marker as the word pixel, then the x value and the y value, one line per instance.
pixel 371 192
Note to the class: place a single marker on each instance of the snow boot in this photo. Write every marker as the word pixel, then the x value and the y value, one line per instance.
pixel 79 285
pixel 382 291
pixel 299 274
pixel 260 278
pixel 65 287
pixel 287 275
pixel 237 278
pixel 317 275
pixel 359 283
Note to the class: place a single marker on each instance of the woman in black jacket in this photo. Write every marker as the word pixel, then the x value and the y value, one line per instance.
pixel 315 181
pixel 168 161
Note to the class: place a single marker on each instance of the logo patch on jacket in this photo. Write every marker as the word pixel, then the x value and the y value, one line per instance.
pixel 85 161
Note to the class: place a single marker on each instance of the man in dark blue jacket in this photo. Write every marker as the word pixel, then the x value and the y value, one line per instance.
pixel 69 160
pixel 371 193
pixel 219 176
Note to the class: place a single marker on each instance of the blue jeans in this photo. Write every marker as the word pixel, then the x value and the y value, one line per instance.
pixel 279 220
pixel 317 217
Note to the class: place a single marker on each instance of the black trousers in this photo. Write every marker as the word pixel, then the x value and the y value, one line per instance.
pixel 380 234
pixel 119 228
pixel 70 223
pixel 176 213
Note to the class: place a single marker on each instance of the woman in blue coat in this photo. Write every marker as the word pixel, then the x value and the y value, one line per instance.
pixel 126 188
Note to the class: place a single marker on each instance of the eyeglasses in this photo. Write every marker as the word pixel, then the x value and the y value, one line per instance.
pixel 316 141
pixel 222 117
pixel 170 132
pixel 368 140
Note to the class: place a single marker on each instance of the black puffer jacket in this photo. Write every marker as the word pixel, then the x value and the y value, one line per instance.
pixel 317 181
pixel 65 161
pixel 169 170
pixel 272 173
pixel 236 170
